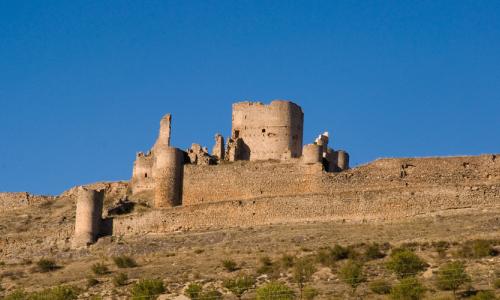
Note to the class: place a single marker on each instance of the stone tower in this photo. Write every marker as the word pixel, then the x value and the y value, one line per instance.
pixel 88 217
pixel 271 131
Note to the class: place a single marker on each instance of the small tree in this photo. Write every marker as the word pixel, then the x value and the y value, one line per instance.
pixel 239 285
pixel 275 291
pixel 352 274
pixel 405 263
pixel 302 272
pixel 408 289
pixel 451 276
pixel 147 289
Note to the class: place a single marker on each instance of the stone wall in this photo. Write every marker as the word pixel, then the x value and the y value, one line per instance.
pixel 10 201
pixel 273 131
pixel 384 190
pixel 249 180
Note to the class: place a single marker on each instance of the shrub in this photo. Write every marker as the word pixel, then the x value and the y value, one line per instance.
pixel 352 274
pixel 408 289
pixel 275 291
pixel 338 252
pixel 405 263
pixel 16 295
pixel 147 289
pixel 496 283
pixel 380 287
pixel 210 295
pixel 46 265
pixel 229 265
pixel 484 295
pixel 56 293
pixel 92 281
pixel 193 290
pixel 287 261
pixel 100 269
pixel 302 272
pixel 124 261
pixel 120 279
pixel 324 257
pixel 373 252
pixel 477 249
pixel 441 248
pixel 451 276
pixel 310 293
pixel 267 266
pixel 239 285
pixel 199 251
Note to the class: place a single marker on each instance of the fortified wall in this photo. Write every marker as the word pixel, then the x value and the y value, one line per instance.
pixel 262 174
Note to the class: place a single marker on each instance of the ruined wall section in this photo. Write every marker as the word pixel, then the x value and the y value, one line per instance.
pixel 249 180
pixel 10 201
pixel 273 131
pixel 142 177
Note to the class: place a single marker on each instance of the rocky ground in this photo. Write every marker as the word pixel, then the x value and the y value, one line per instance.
pixel 267 253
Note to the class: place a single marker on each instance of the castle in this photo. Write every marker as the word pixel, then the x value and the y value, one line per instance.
pixel 167 176
pixel 263 174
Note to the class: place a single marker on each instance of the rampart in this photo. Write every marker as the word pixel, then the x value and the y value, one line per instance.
pixel 384 190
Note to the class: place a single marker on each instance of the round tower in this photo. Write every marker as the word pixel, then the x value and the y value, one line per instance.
pixel 88 216
pixel 168 171
pixel 342 160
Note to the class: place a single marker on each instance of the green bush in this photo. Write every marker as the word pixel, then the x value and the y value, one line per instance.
pixel 46 265
pixel 408 289
pixel 451 276
pixel 120 279
pixel 380 287
pixel 56 293
pixel 124 261
pixel 147 289
pixel 352 274
pixel 229 265
pixel 193 290
pixel 275 291
pixel 310 293
pixel 373 252
pixel 405 263
pixel 239 285
pixel 100 269
pixel 484 295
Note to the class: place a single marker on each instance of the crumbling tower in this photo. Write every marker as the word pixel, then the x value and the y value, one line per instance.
pixel 88 217
pixel 271 131
pixel 168 170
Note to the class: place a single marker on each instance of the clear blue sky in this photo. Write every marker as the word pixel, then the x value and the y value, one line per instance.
pixel 83 84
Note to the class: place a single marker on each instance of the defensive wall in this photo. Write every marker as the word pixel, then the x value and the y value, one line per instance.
pixel 381 191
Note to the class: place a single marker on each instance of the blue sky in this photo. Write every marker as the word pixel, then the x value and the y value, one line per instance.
pixel 83 84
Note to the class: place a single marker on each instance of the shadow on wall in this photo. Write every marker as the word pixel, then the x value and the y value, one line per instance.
pixel 245 151
pixel 106 227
